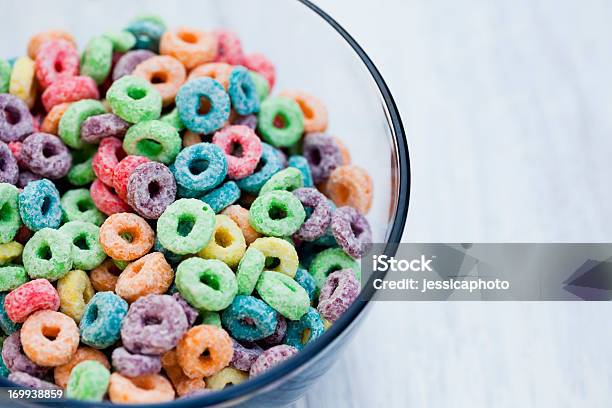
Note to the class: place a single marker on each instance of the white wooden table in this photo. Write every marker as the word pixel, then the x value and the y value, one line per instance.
pixel 507 106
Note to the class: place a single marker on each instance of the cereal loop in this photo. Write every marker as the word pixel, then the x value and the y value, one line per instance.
pixel 42 326
pixel 146 389
pixel 165 73
pixel 150 274
pixel 197 341
pixel 218 71
pixel 190 46
pixel 350 185
pixel 126 237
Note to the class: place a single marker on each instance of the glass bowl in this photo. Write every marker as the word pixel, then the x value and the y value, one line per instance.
pixel 311 53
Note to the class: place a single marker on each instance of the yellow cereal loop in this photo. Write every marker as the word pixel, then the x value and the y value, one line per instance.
pixel 227 244
pixel 225 377
pixel 9 252
pixel 280 255
pixel 326 324
pixel 22 83
pixel 75 291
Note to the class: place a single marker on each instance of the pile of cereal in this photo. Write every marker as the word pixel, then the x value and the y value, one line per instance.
pixel 160 230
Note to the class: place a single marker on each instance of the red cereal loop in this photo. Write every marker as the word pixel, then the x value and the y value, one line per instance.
pixel 262 65
pixel 69 89
pixel 190 46
pixel 35 295
pixel 106 199
pixel 39 39
pixel 229 48
pixel 122 173
pixel 242 149
pixel 56 59
pixel 109 154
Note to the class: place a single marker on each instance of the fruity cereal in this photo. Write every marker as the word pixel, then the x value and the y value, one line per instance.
pixel 161 232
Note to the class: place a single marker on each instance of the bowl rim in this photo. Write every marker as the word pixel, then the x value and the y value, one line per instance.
pixel 275 374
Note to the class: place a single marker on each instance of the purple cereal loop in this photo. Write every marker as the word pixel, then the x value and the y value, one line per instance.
pixel 15 119
pixel 16 360
pixel 26 380
pixel 249 121
pixel 96 128
pixel 190 313
pixel 351 230
pixel 278 336
pixel 271 357
pixel 9 170
pixel 340 290
pixel 316 224
pixel 46 155
pixel 25 177
pixel 322 154
pixel 243 357
pixel 129 61
pixel 153 325
pixel 151 189
pixel 133 365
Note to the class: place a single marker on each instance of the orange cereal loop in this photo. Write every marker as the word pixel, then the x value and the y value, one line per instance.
pixel 167 74
pixel 219 71
pixel 350 185
pixel 346 155
pixel 204 350
pixel 37 40
pixel 126 236
pixel 51 121
pixel 144 389
pixel 104 277
pixel 83 353
pixel 315 112
pixel 190 46
pixel 190 138
pixel 149 275
pixel 49 338
pixel 240 216
pixel 182 384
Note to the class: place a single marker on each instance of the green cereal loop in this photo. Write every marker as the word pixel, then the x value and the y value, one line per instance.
pixel 278 213
pixel 287 179
pixel 70 124
pixel 186 226
pixel 78 206
pixel 283 294
pixel 173 119
pixel 88 381
pixel 154 139
pixel 87 253
pixel 211 319
pixel 10 220
pixel 121 264
pixel 48 254
pixel 97 60
pixel 5 76
pixel 331 260
pixel 12 277
pixel 122 41
pixel 82 173
pixel 206 284
pixel 134 99
pixel 262 86
pixel 250 267
pixel 290 113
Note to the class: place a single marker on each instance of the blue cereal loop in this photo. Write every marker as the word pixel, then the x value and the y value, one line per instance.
pixel 300 163
pixel 39 205
pixel 271 162
pixel 222 197
pixel 242 92
pixel 296 330
pixel 188 105
pixel 199 168
pixel 101 322
pixel 249 319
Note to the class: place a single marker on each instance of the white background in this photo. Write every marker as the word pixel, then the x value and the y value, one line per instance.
pixel 507 106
